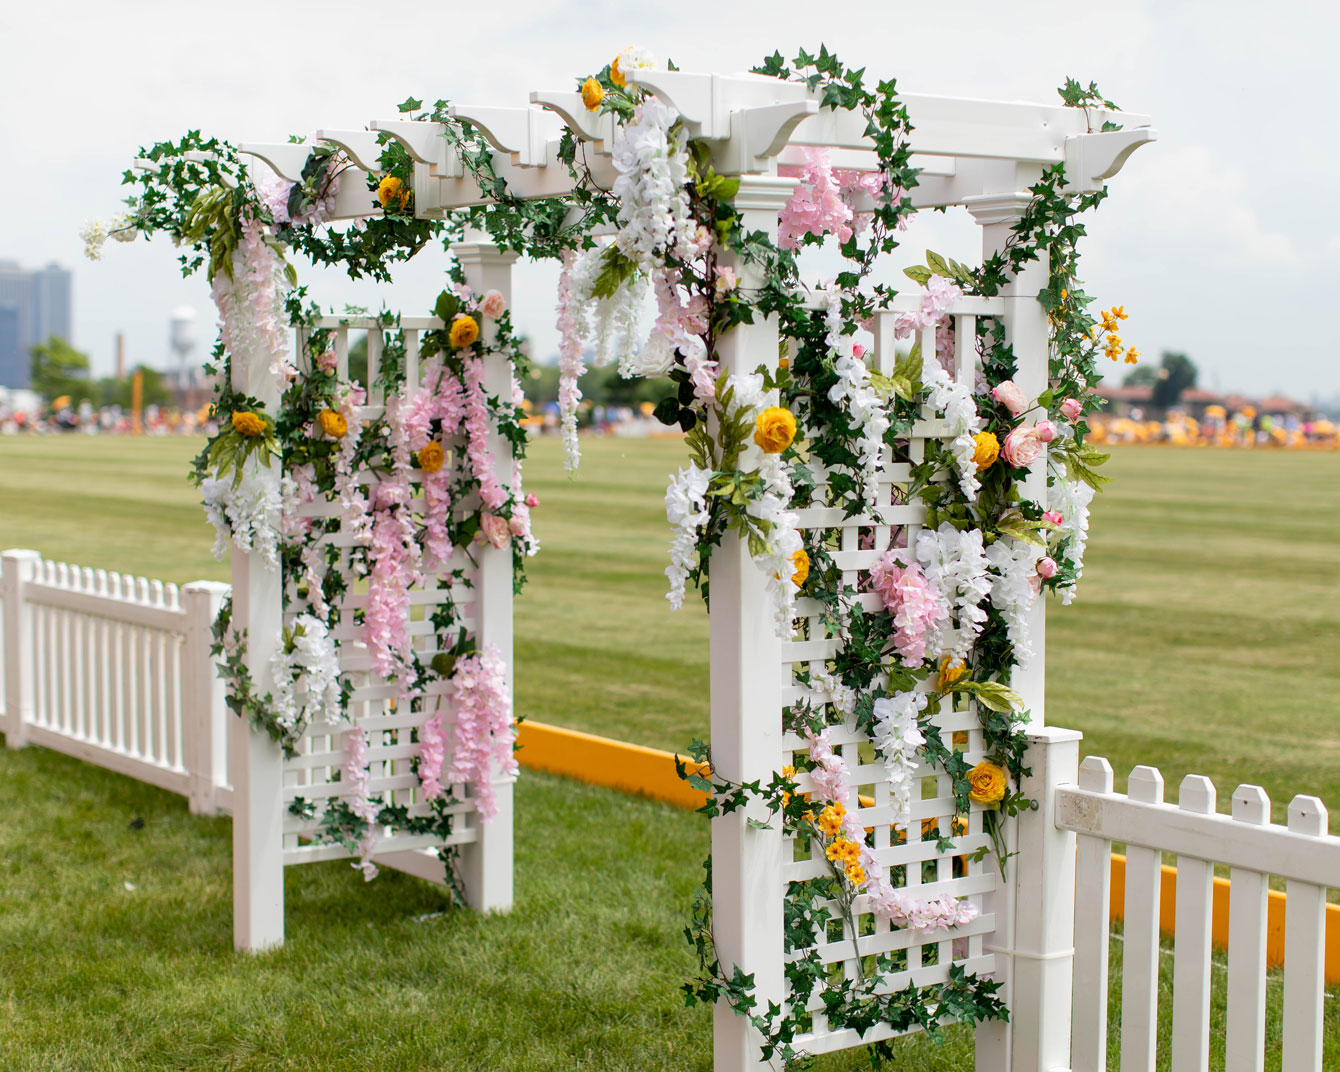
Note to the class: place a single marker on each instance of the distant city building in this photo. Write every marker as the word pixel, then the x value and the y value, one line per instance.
pixel 34 305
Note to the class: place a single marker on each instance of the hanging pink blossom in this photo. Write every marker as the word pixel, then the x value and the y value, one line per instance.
pixel 483 734
pixel 816 206
pixel 830 772
pixel 938 296
pixel 393 553
pixel 477 428
pixel 432 754
pixel 914 602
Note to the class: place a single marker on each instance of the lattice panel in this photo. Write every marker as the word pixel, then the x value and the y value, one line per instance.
pixel 910 857
pixel 316 773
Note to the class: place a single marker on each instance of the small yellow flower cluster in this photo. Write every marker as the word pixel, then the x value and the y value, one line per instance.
pixel 846 852
pixel 1113 346
pixel 830 819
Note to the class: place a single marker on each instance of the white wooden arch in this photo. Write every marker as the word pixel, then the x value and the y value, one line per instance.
pixel 982 155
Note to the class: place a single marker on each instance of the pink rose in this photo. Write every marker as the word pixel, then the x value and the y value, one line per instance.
pixel 857 351
pixel 518 525
pixel 1070 408
pixel 532 500
pixel 494 304
pixel 1022 447
pixel 1046 431
pixel 1009 396
pixel 495 529
pixel 1046 568
pixel 1054 516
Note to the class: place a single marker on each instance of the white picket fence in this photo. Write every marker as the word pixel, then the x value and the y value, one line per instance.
pixel 116 670
pixel 1254 849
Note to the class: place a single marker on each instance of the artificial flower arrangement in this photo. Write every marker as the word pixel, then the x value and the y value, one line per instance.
pixel 813 428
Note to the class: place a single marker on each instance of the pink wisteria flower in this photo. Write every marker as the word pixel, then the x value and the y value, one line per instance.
pixel 1071 408
pixel 1022 447
pixel 914 602
pixel 1010 396
pixel 493 304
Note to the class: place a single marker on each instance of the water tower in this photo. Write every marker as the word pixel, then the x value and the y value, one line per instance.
pixel 183 338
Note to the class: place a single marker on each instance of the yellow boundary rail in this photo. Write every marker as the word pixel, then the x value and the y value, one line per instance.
pixel 649 772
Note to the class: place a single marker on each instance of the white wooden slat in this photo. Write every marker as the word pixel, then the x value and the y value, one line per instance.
pixel 341 341
pixel 1304 951
pixel 1093 875
pixel 375 341
pixel 1272 850
pixel 1245 1038
pixel 1140 960
pixel 1191 957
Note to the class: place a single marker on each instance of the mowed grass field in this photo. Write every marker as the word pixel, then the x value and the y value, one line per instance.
pixel 1206 637
pixel 1205 640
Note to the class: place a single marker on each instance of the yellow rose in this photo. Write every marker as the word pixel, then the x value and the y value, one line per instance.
pixel 987 450
pixel 801 561
pixel 464 331
pixel 332 423
pixel 592 94
pixel 432 457
pixel 248 423
pixel 987 782
pixel 616 75
pixel 392 189
pixel 774 429
pixel 951 670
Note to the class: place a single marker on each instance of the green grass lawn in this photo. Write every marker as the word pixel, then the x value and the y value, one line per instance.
pixel 1204 640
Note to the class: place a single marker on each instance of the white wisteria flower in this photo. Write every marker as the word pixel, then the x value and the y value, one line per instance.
pixel 955 402
pixel 955 563
pixel 854 393
pixel 898 737
pixel 1014 587
pixel 306 679
pixel 686 510
pixel 248 515
pixel 1071 499
pixel 654 216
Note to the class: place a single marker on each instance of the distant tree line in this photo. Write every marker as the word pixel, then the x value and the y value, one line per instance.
pixel 57 369
pixel 1175 373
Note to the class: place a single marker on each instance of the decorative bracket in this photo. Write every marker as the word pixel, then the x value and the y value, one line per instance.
pixel 286 159
pixel 361 146
pixel 584 124
pixel 1090 159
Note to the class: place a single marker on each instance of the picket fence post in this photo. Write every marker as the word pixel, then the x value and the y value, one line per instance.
pixel 486 863
pixel 1039 884
pixel 203 711
pixel 20 566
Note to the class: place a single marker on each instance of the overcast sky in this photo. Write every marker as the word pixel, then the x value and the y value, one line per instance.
pixel 1221 239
